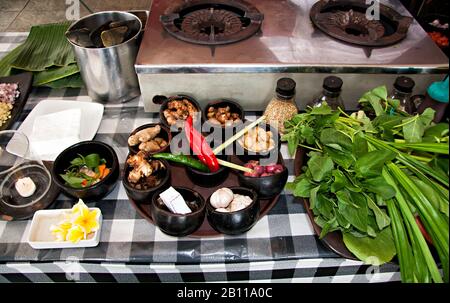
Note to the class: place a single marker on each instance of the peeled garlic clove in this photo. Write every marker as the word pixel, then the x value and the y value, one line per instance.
pixel 221 198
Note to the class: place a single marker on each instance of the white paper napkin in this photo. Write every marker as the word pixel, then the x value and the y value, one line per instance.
pixel 52 133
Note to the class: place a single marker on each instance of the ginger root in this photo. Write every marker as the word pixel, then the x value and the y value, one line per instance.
pixel 141 167
pixel 144 135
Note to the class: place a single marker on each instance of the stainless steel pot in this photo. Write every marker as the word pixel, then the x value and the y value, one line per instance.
pixel 108 73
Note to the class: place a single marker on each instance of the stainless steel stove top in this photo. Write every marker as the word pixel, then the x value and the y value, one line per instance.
pixel 288 43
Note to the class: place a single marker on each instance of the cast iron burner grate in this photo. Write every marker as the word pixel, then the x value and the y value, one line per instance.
pixel 212 22
pixel 346 20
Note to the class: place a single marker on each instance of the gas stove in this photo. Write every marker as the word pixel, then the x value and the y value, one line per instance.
pixel 238 49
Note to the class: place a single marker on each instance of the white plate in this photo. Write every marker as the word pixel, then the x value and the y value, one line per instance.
pixel 40 236
pixel 91 117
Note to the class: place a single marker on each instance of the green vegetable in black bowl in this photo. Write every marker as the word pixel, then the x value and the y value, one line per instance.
pixel 85 171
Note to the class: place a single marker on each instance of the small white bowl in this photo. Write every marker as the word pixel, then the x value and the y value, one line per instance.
pixel 40 236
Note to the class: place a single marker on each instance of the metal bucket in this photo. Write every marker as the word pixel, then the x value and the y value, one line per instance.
pixel 108 73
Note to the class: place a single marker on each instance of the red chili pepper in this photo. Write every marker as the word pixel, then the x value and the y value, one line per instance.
pixel 200 146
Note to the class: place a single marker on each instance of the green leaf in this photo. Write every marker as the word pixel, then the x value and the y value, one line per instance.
pixel 303 188
pixel 344 159
pixel 435 132
pixel 371 164
pixel 54 73
pixel 413 129
pixel 77 162
pixel 332 137
pixel 353 207
pixel 46 46
pixel 433 196
pixel 380 92
pixel 360 146
pixel 374 101
pixel 72 181
pixel 72 81
pixel 341 182
pixel 387 121
pixel 375 251
pixel 308 134
pixel 320 166
pixel 427 116
pixel 324 205
pixel 381 217
pixel 6 61
pixel 324 109
pixel 92 160
pixel 329 226
pixel 292 144
pixel 379 186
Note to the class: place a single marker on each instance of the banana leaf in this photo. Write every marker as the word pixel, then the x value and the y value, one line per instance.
pixel 48 55
pixel 5 62
pixel 54 73
pixel 73 81
pixel 45 46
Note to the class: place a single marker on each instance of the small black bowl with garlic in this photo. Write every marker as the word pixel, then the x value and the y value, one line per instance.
pixel 233 210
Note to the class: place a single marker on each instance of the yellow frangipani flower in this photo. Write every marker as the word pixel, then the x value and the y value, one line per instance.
pixel 87 220
pixel 60 231
pixel 79 207
pixel 76 224
pixel 75 234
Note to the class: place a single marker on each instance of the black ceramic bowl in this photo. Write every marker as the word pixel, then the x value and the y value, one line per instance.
pixel 164 107
pixel 237 222
pixel 246 155
pixel 98 190
pixel 144 196
pixel 209 179
pixel 266 187
pixel 175 224
pixel 165 134
pixel 234 108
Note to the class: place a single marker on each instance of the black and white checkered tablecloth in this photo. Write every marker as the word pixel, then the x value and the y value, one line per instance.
pixel 281 247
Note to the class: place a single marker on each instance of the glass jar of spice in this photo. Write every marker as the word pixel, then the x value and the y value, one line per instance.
pixel 282 107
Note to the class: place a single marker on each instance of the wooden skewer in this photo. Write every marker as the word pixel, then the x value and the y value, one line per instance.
pixel 239 134
pixel 234 166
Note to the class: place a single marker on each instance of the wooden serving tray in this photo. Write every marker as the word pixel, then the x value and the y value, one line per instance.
pixel 332 240
pixel 180 178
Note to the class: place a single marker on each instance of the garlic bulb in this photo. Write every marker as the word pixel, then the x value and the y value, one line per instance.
pixel 240 202
pixel 221 198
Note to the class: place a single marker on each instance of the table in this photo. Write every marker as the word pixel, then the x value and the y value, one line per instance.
pixel 282 247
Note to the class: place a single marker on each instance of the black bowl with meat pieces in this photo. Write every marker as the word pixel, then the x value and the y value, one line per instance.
pixel 98 190
pixel 142 179
pixel 176 109
pixel 179 225
pixel 223 114
pixel 151 138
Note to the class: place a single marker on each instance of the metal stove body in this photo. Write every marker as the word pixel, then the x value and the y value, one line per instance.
pixel 278 40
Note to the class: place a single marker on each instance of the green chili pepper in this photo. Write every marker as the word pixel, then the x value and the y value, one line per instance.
pixel 184 160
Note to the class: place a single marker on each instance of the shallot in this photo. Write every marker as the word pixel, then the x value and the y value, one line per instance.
pixel 262 171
